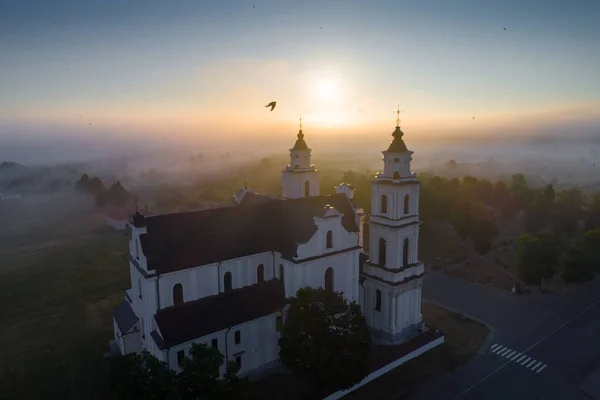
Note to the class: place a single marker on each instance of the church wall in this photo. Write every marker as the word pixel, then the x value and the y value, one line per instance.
pixel 312 273
pixel 258 345
pixel 207 280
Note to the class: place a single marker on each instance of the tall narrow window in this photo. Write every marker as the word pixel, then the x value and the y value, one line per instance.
pixel 139 288
pixel 214 343
pixel 238 337
pixel 306 189
pixel 382 251
pixel 238 361
pixel 329 239
pixel 227 286
pixel 378 300
pixel 406 201
pixel 329 279
pixel 281 272
pixel 143 329
pixel 137 250
pixel 260 273
pixel 278 323
pixel 180 357
pixel 405 252
pixel 177 294
pixel 383 204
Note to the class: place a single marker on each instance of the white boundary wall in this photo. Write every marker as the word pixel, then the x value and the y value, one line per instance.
pixel 385 369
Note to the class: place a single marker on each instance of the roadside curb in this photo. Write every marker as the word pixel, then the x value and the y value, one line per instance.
pixel 492 331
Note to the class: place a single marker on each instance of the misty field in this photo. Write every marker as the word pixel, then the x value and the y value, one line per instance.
pixel 61 275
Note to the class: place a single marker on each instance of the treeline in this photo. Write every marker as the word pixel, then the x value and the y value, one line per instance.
pixel 115 195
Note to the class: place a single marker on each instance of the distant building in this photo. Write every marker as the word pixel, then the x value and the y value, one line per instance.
pixel 221 276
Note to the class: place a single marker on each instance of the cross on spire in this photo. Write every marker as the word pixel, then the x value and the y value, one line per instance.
pixel 301 123
pixel 245 182
pixel 398 115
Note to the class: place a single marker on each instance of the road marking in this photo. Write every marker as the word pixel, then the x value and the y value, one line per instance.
pixel 510 354
pixel 503 352
pixel 498 349
pixel 494 346
pixel 540 370
pixel 531 363
pixel 536 365
pixel 520 358
pixel 494 372
pixel 515 356
pixel 524 361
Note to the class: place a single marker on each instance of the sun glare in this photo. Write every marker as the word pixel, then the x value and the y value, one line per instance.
pixel 327 90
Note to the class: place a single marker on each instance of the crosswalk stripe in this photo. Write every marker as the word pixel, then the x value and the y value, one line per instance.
pixel 509 354
pixel 498 349
pixel 503 352
pixel 530 364
pixel 536 365
pixel 540 369
pixel 494 346
pixel 520 358
pixel 525 361
pixel 515 356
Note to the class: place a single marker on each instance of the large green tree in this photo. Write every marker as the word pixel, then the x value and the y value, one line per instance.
pixel 325 339
pixel 569 209
pixel 200 377
pixel 582 259
pixel 539 256
pixel 142 376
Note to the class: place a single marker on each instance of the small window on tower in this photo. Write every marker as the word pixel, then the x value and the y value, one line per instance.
pixel 180 357
pixel 396 159
pixel 297 156
pixel 378 300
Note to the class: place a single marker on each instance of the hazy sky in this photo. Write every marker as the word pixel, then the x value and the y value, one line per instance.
pixel 147 68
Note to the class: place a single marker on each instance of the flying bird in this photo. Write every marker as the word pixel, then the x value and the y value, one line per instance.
pixel 473 117
pixel 272 105
pixel 504 28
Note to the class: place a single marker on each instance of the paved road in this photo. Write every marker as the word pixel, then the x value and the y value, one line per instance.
pixel 544 348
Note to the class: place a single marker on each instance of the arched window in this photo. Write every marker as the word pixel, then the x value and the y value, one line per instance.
pixel 329 279
pixel 382 249
pixel 405 252
pixel 260 273
pixel 227 282
pixel 329 239
pixel 306 189
pixel 383 204
pixel 378 300
pixel 177 294
pixel 281 272
pixel 406 200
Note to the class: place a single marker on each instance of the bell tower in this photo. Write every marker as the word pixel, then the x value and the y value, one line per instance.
pixel 299 178
pixel 393 273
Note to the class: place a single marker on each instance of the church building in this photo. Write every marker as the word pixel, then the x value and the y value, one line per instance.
pixel 221 276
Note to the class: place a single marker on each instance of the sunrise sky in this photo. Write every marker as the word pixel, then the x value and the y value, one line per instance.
pixel 208 67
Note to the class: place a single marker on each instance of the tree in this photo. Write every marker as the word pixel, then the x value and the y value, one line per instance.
pixel 582 260
pixel 117 195
pixel 483 234
pixel 539 256
pixel 142 376
pixel 83 183
pixel 568 211
pixel 200 377
pixel 325 339
pixel 593 215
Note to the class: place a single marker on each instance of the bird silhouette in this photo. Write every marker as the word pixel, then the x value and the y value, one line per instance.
pixel 272 105
pixel 504 28
pixel 473 117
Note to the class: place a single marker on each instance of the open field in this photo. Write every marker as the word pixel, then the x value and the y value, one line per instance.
pixel 57 291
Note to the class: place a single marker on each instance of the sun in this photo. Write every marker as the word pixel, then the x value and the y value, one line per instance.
pixel 327 90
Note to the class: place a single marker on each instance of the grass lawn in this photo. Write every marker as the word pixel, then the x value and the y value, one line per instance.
pixel 461 342
pixel 55 305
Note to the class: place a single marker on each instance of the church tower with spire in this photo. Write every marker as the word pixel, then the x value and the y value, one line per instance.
pixel 393 274
pixel 299 178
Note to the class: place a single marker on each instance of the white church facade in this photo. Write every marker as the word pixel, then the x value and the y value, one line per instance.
pixel 221 276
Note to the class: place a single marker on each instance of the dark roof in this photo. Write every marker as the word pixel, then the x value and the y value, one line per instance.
pixel 124 316
pixel 300 143
pixel 255 198
pixel 185 240
pixel 198 318
pixel 397 145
